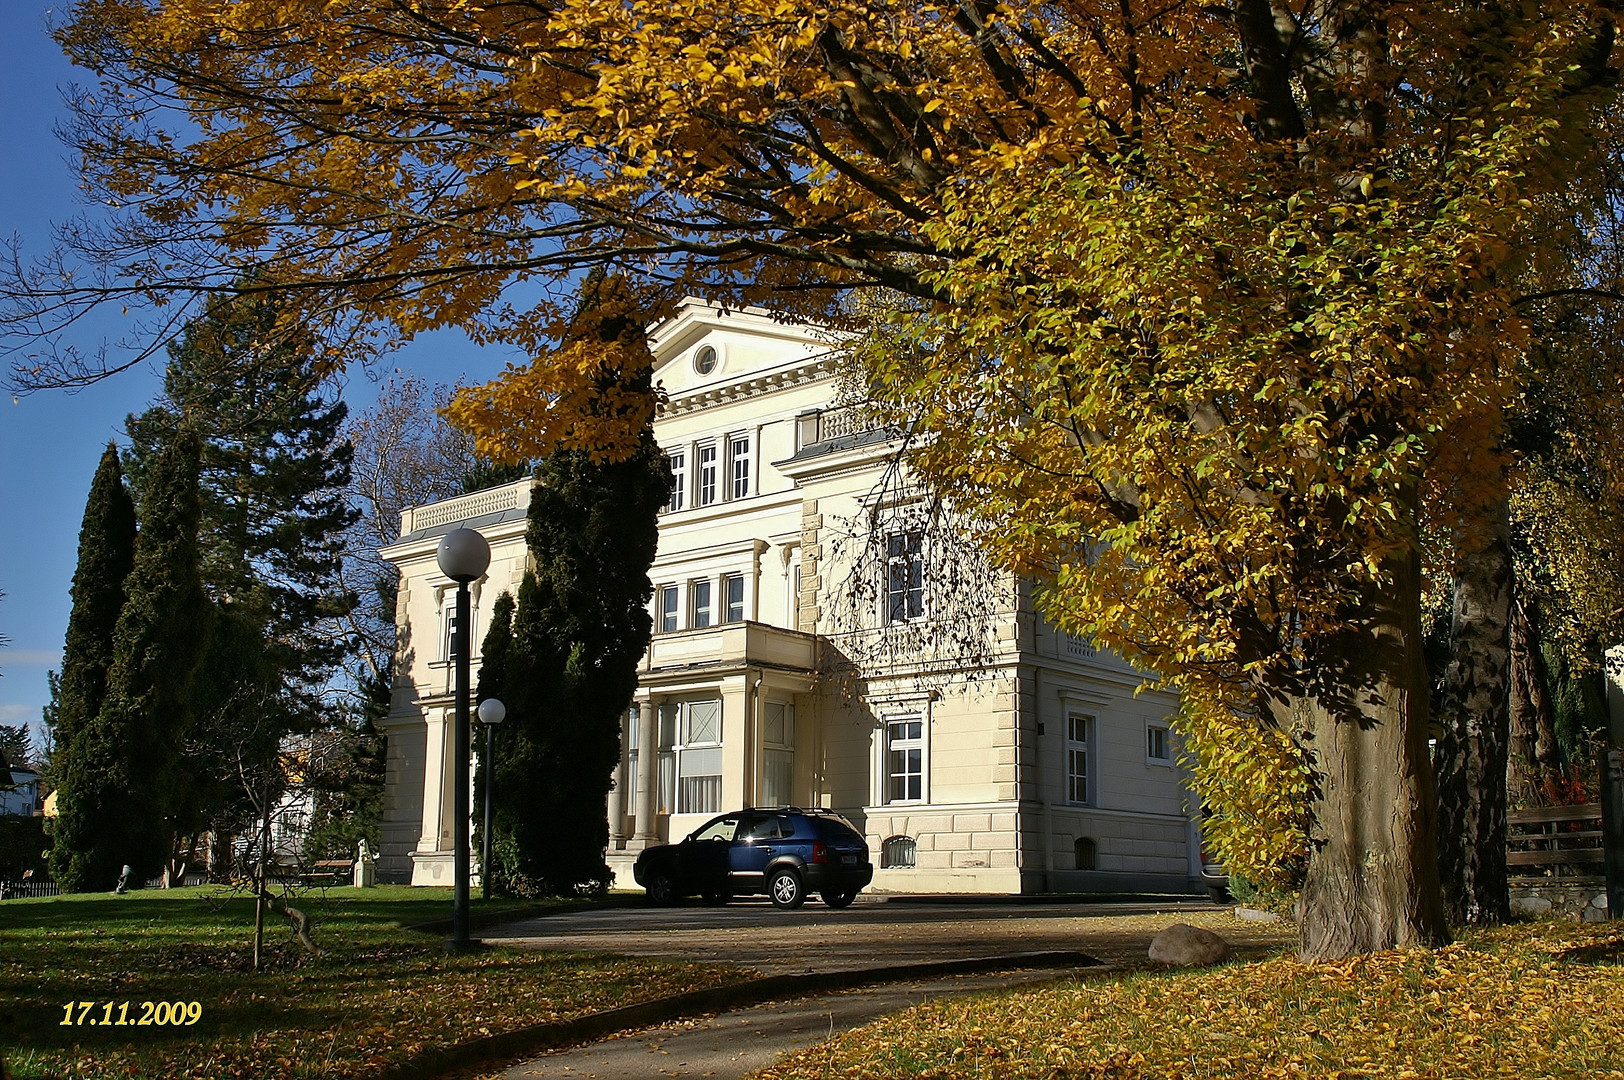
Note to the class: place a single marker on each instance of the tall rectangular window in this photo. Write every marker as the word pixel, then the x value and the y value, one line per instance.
pixel 666 792
pixel 448 639
pixel 1079 738
pixel 699 762
pixel 679 479
pixel 905 759
pixel 778 755
pixel 700 615
pixel 628 780
pixel 904 576
pixel 707 473
pixel 669 599
pixel 733 597
pixel 738 466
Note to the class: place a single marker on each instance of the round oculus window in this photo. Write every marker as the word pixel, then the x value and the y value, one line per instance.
pixel 705 360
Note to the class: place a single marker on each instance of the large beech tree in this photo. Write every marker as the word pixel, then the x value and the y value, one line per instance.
pixel 1216 301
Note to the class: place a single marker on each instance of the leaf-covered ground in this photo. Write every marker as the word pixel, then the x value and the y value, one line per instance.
pixel 379 995
pixel 1528 1002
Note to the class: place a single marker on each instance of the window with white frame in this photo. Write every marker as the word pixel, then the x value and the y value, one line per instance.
pixel 679 479
pixel 905 759
pixel 738 466
pixel 706 453
pixel 733 597
pixel 628 781
pixel 699 761
pixel 1158 750
pixel 795 598
pixel 448 623
pixel 666 741
pixel 699 604
pixel 1079 756
pixel 778 754
pixel 904 576
pixel 670 601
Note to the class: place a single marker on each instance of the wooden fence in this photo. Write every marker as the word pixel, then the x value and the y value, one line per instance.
pixel 1554 842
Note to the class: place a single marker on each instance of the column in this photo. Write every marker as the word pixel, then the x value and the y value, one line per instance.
pixel 435 784
pixel 648 769
pixel 617 790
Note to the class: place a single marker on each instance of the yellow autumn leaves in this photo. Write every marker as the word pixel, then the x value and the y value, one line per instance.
pixel 1533 1002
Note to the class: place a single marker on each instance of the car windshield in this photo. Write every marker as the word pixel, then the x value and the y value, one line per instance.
pixel 723 828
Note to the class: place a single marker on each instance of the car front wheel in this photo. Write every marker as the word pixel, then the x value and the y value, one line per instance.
pixel 840 899
pixel 661 890
pixel 786 890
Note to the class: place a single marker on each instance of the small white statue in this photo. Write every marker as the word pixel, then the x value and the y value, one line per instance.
pixel 366 867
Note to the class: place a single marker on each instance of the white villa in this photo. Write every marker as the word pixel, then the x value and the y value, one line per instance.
pixel 1040 771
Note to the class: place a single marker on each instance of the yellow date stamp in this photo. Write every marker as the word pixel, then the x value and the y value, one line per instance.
pixel 131 1013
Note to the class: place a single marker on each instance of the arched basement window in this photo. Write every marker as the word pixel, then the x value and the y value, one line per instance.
pixel 898 852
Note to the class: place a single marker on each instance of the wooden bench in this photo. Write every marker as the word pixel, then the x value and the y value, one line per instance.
pixel 329 872
pixel 1554 842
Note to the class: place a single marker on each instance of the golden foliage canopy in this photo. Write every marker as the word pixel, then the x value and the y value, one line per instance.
pixel 1213 304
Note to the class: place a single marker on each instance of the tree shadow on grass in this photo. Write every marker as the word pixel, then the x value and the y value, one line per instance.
pixel 1600 954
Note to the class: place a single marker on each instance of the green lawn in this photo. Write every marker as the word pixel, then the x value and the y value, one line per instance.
pixel 380 994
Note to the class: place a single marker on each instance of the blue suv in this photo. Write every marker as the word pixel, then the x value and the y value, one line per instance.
pixel 785 852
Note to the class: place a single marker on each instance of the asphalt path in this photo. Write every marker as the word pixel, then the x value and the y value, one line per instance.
pixel 873 932
pixel 730 1046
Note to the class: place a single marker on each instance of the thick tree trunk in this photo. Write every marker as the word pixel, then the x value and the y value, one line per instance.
pixel 1474 726
pixel 1372 879
pixel 1535 765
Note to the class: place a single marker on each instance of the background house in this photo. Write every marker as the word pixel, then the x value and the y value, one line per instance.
pixel 810 649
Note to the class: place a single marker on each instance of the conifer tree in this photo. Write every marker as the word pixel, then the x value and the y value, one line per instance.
pixel 579 630
pixel 106 553
pixel 274 476
pixel 494 655
pixel 273 479
pixel 117 795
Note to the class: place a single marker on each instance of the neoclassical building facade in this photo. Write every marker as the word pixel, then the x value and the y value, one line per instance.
pixel 806 652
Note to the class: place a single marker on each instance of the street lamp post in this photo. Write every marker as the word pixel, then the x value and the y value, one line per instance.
pixel 491 712
pixel 463 556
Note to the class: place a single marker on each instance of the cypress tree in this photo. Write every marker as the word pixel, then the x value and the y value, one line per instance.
pixel 106 553
pixel 118 807
pixel 494 654
pixel 579 631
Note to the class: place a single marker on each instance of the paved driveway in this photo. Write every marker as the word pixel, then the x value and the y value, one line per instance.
pixel 876 931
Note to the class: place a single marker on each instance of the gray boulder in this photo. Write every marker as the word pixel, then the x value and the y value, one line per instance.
pixel 1182 945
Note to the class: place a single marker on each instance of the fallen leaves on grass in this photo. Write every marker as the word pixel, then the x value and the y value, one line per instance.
pixel 379 996
pixel 1533 1002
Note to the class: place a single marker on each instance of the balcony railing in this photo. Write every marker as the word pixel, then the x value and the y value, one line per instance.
pixel 827 425
pixel 491 501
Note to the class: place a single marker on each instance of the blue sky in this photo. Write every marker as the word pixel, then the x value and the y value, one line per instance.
pixel 50 442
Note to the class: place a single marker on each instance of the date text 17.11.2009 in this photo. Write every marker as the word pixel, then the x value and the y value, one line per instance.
pixel 131 1013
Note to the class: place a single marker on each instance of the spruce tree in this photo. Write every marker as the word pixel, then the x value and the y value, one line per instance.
pixel 117 799
pixel 106 553
pixel 274 476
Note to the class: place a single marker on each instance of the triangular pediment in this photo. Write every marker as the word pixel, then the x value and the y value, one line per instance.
pixel 707 348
